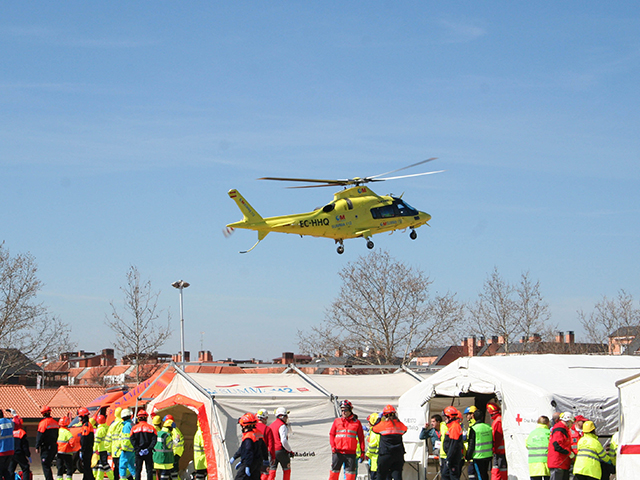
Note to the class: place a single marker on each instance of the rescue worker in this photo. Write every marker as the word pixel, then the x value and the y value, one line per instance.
pixel 590 454
pixel 47 441
pixel 6 446
pixel 559 456
pixel 538 447
pixel 127 456
pixel 267 435
pixel 612 449
pixel 21 451
pixel 199 457
pixel 143 439
pixel 345 436
pixel 178 446
pixel 499 464
pixel 453 444
pixel 251 452
pixel 373 445
pixel 480 450
pixel 100 445
pixel 163 452
pixel 391 452
pixel 86 444
pixel 576 432
pixel 283 451
pixel 431 431
pixel 113 440
pixel 468 413
pixel 65 450
pixel 157 423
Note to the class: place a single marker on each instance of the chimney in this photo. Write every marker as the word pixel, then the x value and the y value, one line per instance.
pixel 523 339
pixel 501 340
pixel 204 356
pixel 338 352
pixel 471 346
pixel 287 358
pixel 535 338
pixel 494 339
pixel 480 343
pixel 560 337
pixel 570 337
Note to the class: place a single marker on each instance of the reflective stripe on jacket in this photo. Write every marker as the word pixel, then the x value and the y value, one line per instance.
pixel 178 442
pixel 163 451
pixel 99 441
pixel 346 435
pixel 199 457
pixel 6 437
pixel 125 436
pixel 64 440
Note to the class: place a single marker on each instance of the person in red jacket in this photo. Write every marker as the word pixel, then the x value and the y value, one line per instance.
pixel 453 445
pixel 47 441
pixel 345 436
pixel 576 432
pixel 21 451
pixel 283 451
pixel 391 451
pixel 560 455
pixel 499 464
pixel 267 436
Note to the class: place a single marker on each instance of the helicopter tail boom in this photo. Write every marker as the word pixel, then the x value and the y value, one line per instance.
pixel 249 213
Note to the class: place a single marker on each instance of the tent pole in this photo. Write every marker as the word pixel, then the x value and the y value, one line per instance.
pixel 407 370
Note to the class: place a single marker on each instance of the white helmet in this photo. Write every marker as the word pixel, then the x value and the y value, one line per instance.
pixel 262 413
pixel 126 412
pixel 566 417
pixel 281 411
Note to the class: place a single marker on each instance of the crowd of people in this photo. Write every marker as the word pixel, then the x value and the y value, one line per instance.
pixel 118 450
pixel 563 448
pixel 559 448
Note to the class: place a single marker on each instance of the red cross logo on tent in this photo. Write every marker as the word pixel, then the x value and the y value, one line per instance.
pixel 519 419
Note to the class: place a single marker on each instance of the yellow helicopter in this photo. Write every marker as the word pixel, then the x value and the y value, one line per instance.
pixel 355 212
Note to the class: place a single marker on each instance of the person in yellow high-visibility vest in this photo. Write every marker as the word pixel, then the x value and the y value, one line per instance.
pixel 178 446
pixel 101 446
pixel 590 454
pixel 199 457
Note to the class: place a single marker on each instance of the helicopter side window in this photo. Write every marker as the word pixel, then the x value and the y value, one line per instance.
pixel 349 203
pixel 383 212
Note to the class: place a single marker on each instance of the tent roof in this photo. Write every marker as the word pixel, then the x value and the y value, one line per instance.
pixel 564 375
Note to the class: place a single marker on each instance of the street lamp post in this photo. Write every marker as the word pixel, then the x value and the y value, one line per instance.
pixel 180 285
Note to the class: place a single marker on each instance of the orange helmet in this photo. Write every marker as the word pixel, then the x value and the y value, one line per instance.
pixel 493 409
pixel 247 419
pixel 83 412
pixel 45 409
pixel 101 419
pixel 64 422
pixel 388 409
pixel 142 414
pixel 452 412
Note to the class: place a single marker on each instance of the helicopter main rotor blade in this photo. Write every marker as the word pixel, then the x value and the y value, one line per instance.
pixel 403 168
pixel 407 176
pixel 307 180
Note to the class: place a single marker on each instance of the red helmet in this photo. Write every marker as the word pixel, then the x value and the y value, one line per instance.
pixel 142 414
pixel 248 419
pixel 493 409
pixel 64 422
pixel 168 417
pixel 452 412
pixel 17 422
pixel 83 412
pixel 346 404
pixel 388 409
pixel 101 419
pixel 45 409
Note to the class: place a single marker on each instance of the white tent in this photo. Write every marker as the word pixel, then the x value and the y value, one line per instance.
pixel 220 399
pixel 628 459
pixel 527 386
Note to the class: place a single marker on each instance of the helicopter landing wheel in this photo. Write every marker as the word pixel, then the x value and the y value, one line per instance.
pixel 340 249
pixel 413 235
pixel 369 244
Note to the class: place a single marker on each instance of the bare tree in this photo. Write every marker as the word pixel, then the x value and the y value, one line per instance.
pixel 25 324
pixel 509 311
pixel 610 315
pixel 384 311
pixel 138 332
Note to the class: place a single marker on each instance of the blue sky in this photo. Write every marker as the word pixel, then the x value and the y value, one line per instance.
pixel 124 124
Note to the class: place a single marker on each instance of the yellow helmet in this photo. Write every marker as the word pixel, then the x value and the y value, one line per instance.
pixel 168 424
pixel 588 427
pixel 118 412
pixel 157 420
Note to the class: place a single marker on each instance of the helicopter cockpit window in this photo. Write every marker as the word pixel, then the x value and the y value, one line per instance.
pixel 404 209
pixel 383 212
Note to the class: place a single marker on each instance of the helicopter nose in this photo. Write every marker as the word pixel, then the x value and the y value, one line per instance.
pixel 424 217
